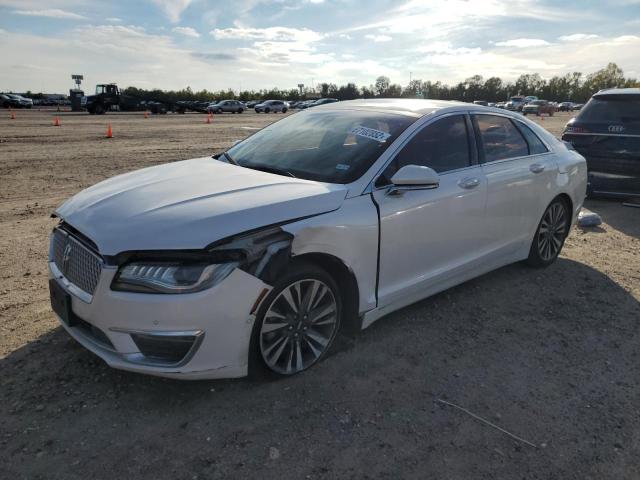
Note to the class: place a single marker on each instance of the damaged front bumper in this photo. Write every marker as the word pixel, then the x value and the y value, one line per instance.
pixel 202 335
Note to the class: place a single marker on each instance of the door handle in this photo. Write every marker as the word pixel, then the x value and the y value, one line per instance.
pixel 469 182
pixel 536 168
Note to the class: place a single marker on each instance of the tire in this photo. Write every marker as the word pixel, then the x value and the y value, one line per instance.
pixel 284 110
pixel 240 110
pixel 550 235
pixel 99 109
pixel 284 346
pixel 219 110
pixel 267 110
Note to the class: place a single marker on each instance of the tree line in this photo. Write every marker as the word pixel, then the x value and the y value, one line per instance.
pixel 574 87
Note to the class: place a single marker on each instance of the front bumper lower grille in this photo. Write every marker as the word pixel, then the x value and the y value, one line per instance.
pixel 79 265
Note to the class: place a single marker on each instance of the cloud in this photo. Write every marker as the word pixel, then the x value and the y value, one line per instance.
pixel 172 8
pixel 378 38
pixel 186 31
pixel 113 19
pixel 50 13
pixel 523 43
pixel 576 37
pixel 280 34
pixel 213 56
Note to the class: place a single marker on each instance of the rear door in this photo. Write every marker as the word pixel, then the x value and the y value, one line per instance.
pixel 607 133
pixel 431 236
pixel 519 169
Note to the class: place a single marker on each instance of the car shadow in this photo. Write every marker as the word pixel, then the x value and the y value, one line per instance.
pixel 550 355
pixel 613 212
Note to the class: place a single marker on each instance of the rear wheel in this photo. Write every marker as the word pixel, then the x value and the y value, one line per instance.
pixel 267 110
pixel 219 110
pixel 550 235
pixel 298 321
pixel 98 109
pixel 284 110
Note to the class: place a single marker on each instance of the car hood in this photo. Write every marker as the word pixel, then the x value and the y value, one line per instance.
pixel 190 204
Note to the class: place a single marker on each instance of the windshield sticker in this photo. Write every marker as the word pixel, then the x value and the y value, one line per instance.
pixel 370 133
pixel 342 166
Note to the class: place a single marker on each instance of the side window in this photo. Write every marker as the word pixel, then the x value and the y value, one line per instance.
pixel 535 144
pixel 500 138
pixel 443 146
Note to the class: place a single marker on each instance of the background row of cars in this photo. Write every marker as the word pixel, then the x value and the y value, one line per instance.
pixel 266 106
pixel 13 100
pixel 532 104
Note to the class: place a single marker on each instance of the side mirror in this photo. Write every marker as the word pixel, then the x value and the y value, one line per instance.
pixel 414 177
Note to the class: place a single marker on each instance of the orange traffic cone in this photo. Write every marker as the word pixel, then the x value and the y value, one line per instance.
pixel 209 118
pixel 56 122
pixel 13 115
pixel 109 131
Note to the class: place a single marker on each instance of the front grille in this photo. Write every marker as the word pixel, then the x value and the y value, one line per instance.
pixel 75 261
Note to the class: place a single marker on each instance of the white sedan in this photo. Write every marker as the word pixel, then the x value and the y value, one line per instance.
pixel 255 259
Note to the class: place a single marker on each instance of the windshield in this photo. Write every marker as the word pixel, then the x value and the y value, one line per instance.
pixel 327 146
pixel 615 110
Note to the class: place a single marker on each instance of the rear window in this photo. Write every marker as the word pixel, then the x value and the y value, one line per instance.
pixel 500 138
pixel 535 144
pixel 611 110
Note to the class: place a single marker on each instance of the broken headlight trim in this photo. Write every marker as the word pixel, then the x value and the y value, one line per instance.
pixel 170 277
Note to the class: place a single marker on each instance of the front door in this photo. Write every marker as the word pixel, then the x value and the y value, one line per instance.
pixel 429 236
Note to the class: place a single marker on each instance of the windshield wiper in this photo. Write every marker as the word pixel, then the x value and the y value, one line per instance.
pixel 266 168
pixel 229 158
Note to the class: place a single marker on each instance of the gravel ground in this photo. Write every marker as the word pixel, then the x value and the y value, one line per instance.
pixel 550 356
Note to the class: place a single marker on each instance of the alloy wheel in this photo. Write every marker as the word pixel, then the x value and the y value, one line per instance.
pixel 552 231
pixel 299 326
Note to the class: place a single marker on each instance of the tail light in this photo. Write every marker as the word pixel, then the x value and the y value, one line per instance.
pixel 572 129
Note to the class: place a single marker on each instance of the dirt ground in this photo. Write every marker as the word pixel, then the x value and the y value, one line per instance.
pixel 551 356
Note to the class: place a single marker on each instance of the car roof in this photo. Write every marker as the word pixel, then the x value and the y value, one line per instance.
pixel 407 106
pixel 617 91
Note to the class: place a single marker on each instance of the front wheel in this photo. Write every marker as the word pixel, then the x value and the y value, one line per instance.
pixel 298 321
pixel 284 110
pixel 267 110
pixel 552 231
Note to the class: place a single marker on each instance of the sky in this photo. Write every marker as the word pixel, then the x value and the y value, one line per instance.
pixel 254 44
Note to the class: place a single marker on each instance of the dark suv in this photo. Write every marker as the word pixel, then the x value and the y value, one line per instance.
pixel 607 133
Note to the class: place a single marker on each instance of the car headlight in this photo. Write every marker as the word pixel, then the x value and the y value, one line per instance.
pixel 170 277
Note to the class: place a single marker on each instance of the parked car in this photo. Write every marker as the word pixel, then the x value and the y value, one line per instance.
pixel 252 103
pixel 233 106
pixel 18 101
pixel 8 102
pixel 482 103
pixel 565 106
pixel 539 107
pixel 271 106
pixel 306 104
pixel 322 101
pixel 501 105
pixel 515 104
pixel 530 98
pixel 607 133
pixel 328 219
pixel 578 106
